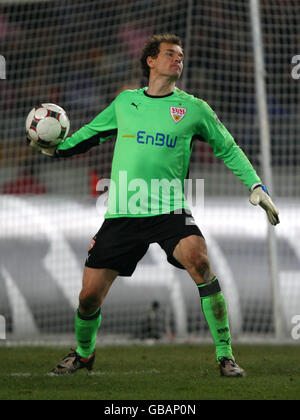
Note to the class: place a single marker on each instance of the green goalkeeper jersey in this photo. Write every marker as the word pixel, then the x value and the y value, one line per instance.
pixel 155 137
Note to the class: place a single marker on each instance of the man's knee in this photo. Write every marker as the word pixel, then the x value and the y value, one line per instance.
pixel 89 300
pixel 96 284
pixel 199 264
pixel 202 265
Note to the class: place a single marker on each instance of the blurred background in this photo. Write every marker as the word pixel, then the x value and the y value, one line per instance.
pixel 80 55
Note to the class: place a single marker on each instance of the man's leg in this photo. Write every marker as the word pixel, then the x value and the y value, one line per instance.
pixel 191 252
pixel 95 286
pixel 96 283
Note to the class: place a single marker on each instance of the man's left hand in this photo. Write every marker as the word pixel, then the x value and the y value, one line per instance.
pixel 261 196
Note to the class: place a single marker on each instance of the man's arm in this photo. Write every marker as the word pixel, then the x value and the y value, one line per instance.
pixel 224 147
pixel 215 133
pixel 101 128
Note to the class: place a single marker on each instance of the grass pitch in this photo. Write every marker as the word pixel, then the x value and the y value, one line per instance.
pixel 162 372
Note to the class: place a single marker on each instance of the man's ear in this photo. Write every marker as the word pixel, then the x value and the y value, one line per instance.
pixel 150 61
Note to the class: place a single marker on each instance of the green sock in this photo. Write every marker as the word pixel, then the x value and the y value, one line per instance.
pixel 86 328
pixel 215 311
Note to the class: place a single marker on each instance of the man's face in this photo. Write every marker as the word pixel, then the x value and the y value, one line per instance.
pixel 169 61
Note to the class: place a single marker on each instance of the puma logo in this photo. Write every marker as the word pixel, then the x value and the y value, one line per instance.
pixel 225 341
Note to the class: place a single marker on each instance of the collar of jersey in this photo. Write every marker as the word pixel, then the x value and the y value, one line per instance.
pixel 157 97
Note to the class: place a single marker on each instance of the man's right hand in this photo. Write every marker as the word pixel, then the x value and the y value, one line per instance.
pixel 48 151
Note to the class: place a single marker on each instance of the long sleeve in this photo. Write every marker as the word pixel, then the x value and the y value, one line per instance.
pixel 101 128
pixel 212 131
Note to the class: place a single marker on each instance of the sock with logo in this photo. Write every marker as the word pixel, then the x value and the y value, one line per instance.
pixel 215 311
pixel 86 328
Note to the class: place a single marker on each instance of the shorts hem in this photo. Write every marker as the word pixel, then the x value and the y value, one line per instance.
pixel 109 267
pixel 171 259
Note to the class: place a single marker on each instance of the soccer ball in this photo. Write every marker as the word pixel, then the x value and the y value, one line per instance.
pixel 47 125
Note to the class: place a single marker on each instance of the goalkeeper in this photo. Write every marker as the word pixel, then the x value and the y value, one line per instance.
pixel 156 127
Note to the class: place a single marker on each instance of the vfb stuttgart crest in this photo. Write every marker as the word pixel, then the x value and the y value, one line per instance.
pixel 177 113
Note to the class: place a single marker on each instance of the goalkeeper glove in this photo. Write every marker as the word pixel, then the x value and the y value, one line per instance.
pixel 260 195
pixel 48 151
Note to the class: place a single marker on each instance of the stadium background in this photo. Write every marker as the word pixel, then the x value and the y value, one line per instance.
pixel 80 54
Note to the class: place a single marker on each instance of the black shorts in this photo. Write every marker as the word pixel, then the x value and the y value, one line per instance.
pixel 122 242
